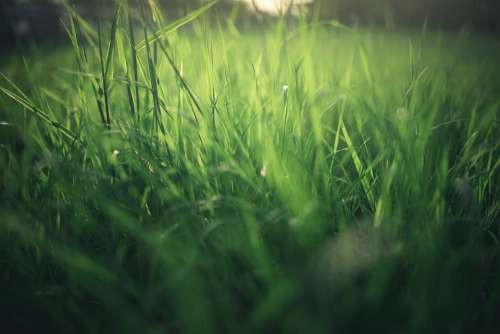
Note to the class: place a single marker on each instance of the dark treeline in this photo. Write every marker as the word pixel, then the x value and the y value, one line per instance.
pixel 39 19
pixel 481 15
pixel 32 20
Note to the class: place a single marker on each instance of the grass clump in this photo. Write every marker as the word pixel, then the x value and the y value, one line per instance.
pixel 299 177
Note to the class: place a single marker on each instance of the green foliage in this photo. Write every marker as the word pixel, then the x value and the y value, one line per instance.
pixel 304 177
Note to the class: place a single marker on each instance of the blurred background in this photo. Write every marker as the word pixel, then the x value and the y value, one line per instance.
pixel 27 20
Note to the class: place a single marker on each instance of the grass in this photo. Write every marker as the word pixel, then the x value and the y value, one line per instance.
pixel 298 177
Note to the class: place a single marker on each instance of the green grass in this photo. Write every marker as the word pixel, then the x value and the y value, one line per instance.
pixel 295 177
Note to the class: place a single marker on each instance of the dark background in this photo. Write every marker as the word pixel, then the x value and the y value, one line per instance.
pixel 22 20
pixel 475 14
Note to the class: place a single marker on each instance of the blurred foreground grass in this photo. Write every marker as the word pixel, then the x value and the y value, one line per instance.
pixel 294 178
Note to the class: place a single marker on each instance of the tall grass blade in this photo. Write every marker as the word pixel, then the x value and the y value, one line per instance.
pixel 175 25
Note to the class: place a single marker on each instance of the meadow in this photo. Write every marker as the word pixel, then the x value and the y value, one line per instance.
pixel 200 176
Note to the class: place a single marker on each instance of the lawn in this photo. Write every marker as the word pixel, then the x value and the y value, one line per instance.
pixel 300 176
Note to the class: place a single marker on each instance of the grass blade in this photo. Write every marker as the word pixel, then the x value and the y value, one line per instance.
pixel 174 26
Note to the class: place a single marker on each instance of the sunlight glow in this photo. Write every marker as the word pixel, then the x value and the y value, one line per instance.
pixel 274 7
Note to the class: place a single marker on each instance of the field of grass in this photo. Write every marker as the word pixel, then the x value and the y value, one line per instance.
pixel 293 178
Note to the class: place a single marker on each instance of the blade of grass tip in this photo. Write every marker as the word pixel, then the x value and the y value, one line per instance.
pixel 120 47
pixel 82 60
pixel 358 164
pixel 89 32
pixel 364 62
pixel 346 82
pixel 23 102
pixel 134 62
pixel 103 76
pixel 79 35
pixel 185 86
pixel 175 25
pixel 412 61
pixel 131 105
pixel 112 40
pixel 156 13
pixel 26 103
pixel 384 201
pixel 213 94
pixel 73 32
pixel 122 60
pixel 128 87
pixel 285 106
pixel 182 81
pixel 153 78
pixel 155 54
pixel 14 86
pixel 95 90
pixel 35 91
pixel 337 24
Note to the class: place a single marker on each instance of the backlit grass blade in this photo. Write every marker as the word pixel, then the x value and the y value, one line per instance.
pixel 30 107
pixel 112 40
pixel 103 90
pixel 89 32
pixel 135 70
pixel 367 188
pixel 183 82
pixel 174 26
